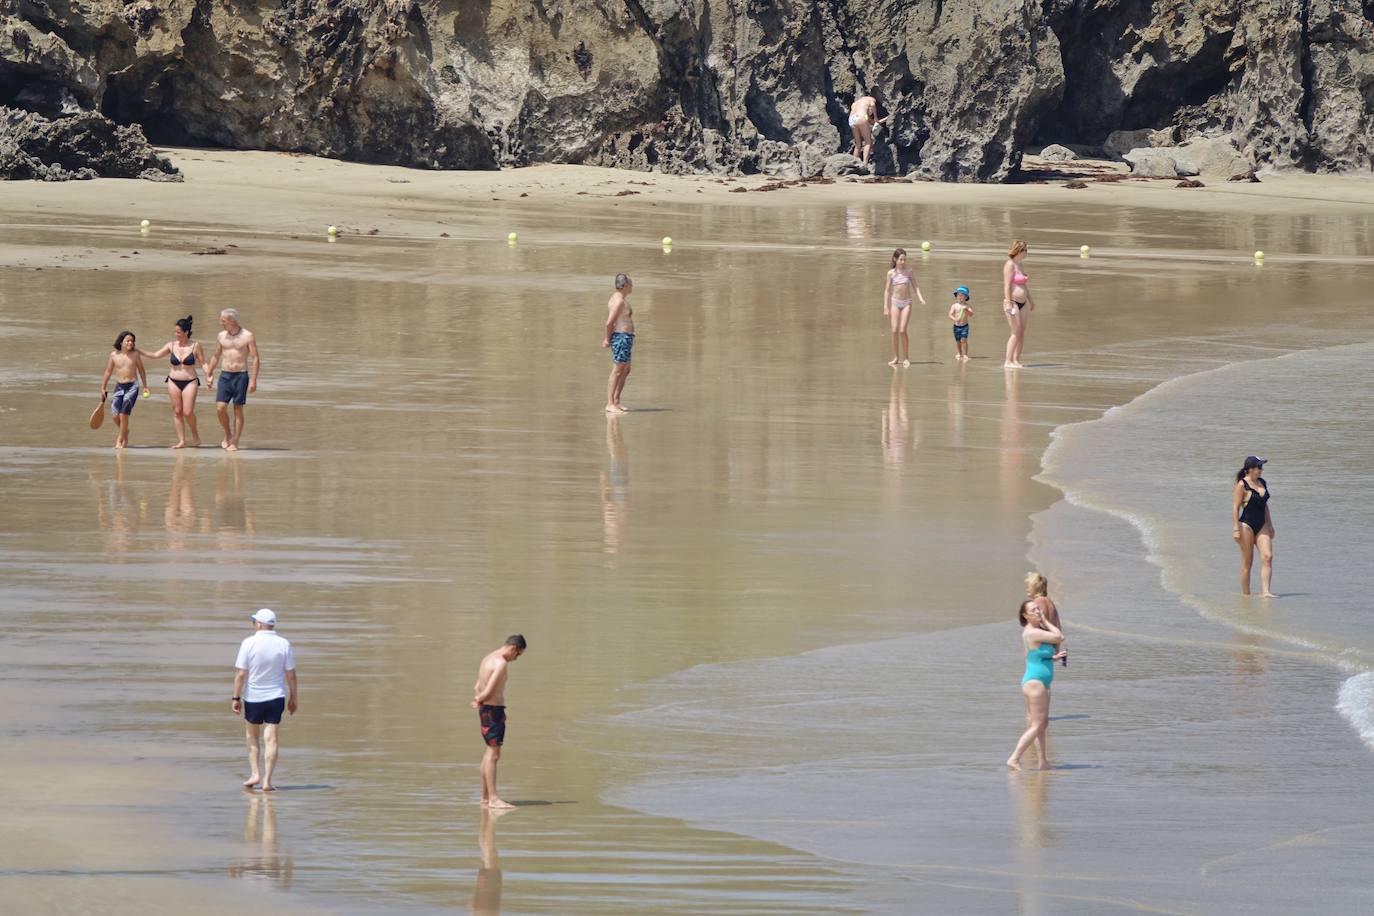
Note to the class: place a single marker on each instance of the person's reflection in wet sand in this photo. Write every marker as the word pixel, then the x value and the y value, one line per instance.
pixel 231 515
pixel 954 402
pixel 897 436
pixel 268 863
pixel 857 224
pixel 180 515
pixel 615 482
pixel 1249 661
pixel 1033 836
pixel 116 511
pixel 1011 455
pixel 486 896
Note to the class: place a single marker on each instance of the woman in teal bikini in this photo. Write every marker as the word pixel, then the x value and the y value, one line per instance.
pixel 1039 637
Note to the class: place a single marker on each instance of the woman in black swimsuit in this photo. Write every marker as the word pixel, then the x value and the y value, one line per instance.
pixel 1253 525
pixel 183 382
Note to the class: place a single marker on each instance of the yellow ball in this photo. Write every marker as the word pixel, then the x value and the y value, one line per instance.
pixel 667 241
pixel 1259 255
pixel 144 225
pixel 333 230
pixel 147 393
pixel 512 237
pixel 925 246
pixel 1083 249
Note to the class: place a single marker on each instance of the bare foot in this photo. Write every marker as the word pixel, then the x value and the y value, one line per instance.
pixel 195 444
pixel 252 781
pixel 499 804
pixel 179 445
pixel 906 363
pixel 620 409
pixel 610 408
pixel 1013 764
pixel 119 444
pixel 224 443
pixel 269 788
pixel 232 447
pixel 1268 595
pixel 893 364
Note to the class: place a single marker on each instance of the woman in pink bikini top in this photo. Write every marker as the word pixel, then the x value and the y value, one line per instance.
pixel 1016 302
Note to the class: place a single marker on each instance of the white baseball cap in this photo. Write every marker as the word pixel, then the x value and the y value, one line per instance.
pixel 266 616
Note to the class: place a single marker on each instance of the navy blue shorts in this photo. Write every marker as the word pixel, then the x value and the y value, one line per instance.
pixel 493 722
pixel 960 332
pixel 268 712
pixel 621 345
pixel 125 397
pixel 232 388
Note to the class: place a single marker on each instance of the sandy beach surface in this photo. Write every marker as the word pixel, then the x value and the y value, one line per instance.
pixel 773 664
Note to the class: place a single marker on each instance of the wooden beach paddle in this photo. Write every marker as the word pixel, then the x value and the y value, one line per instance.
pixel 98 415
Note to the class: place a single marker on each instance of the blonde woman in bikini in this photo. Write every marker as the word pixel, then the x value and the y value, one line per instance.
pixel 1016 302
pixel 897 306
pixel 863 118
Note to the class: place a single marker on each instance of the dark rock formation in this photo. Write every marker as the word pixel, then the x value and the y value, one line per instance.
pixel 721 85
pixel 86 145
pixel 1291 81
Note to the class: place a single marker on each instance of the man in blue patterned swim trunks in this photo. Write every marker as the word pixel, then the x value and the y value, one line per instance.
pixel 620 338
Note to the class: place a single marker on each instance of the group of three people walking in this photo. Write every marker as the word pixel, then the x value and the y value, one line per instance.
pixel 236 348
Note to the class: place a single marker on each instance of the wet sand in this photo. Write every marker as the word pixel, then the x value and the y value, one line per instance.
pixel 427 469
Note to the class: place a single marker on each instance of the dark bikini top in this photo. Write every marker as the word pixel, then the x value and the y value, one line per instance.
pixel 190 359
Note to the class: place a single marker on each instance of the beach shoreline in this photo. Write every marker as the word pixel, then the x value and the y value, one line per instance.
pixel 818 487
pixel 835 812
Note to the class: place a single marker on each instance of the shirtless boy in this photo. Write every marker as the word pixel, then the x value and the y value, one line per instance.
pixel 234 345
pixel 124 364
pixel 490 703
pixel 620 338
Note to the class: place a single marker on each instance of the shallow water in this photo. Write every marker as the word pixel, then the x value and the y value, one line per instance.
pixel 428 469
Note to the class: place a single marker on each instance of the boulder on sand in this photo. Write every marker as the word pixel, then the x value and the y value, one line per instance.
pixel 1153 163
pixel 82 146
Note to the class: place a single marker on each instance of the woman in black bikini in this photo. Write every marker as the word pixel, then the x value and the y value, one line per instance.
pixel 183 381
pixel 1253 525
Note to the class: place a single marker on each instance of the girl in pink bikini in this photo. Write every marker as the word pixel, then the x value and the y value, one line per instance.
pixel 897 306
pixel 1016 302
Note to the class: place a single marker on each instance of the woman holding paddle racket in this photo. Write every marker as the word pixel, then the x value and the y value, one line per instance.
pixel 126 365
pixel 183 380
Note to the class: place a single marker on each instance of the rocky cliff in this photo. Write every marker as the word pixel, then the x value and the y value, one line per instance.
pixel 690 85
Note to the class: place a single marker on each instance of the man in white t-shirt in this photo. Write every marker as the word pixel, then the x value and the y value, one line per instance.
pixel 266 671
